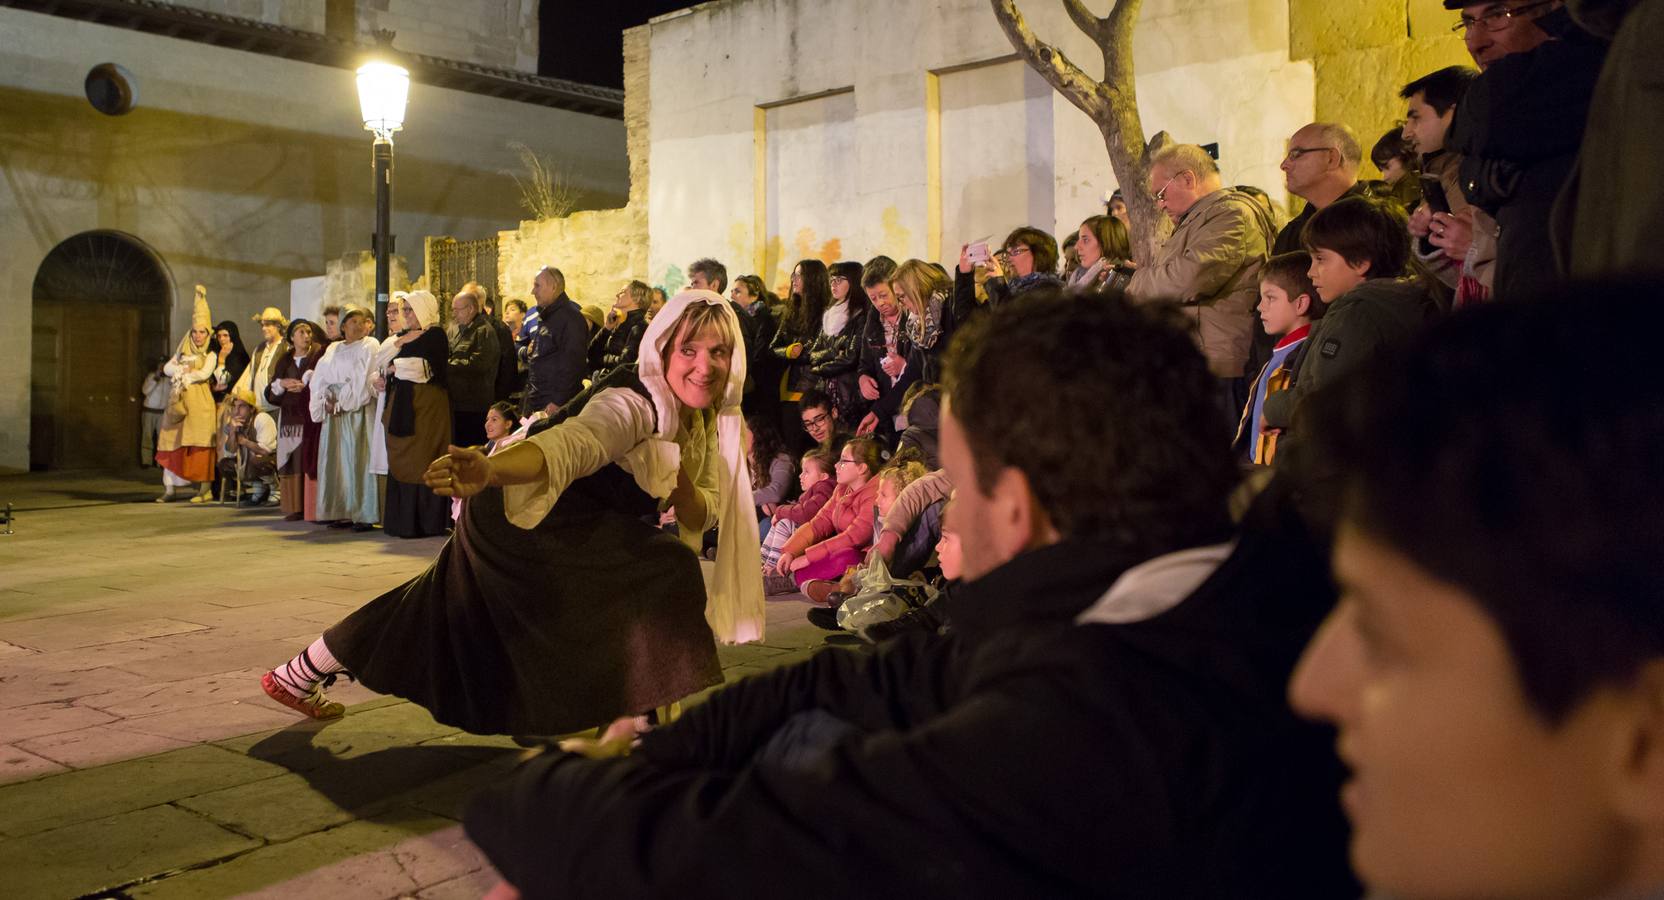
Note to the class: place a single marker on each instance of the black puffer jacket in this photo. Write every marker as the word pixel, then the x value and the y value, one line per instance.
pixel 836 360
pixel 610 349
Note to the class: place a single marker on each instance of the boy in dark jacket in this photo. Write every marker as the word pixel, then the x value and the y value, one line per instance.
pixel 1105 718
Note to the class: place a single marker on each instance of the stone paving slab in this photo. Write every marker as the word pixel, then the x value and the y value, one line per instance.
pixel 109 852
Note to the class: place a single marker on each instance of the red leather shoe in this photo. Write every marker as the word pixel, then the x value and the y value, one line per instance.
pixel 313 705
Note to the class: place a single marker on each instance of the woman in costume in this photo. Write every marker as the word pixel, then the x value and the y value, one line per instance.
pixel 416 414
pixel 185 444
pixel 554 607
pixel 297 434
pixel 343 404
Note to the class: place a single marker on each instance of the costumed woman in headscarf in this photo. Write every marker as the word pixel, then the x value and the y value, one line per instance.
pixel 185 443
pixel 417 414
pixel 554 607
pixel 297 435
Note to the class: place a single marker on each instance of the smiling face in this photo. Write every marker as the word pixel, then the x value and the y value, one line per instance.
pixel 1458 787
pixel 1333 276
pixel 496 427
pixel 698 364
pixel 884 300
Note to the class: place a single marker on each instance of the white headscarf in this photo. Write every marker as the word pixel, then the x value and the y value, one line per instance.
pixel 734 595
pixel 423 305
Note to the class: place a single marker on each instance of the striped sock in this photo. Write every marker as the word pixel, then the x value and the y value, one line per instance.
pixel 300 676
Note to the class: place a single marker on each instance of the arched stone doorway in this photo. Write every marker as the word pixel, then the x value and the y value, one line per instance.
pixel 101 303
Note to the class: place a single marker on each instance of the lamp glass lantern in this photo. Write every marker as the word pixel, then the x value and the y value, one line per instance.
pixel 383 89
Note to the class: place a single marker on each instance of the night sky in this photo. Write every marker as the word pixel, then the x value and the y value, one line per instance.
pixel 584 41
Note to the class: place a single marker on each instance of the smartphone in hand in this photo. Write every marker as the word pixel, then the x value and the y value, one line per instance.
pixel 979 252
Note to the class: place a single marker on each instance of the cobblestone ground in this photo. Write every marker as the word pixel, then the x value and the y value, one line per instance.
pixel 138 756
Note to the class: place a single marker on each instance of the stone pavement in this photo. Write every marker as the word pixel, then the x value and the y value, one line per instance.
pixel 138 756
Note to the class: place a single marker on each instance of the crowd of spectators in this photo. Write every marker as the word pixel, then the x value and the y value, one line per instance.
pixel 1033 452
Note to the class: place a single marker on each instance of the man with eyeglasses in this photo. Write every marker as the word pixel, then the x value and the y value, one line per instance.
pixel 1320 167
pixel 1519 126
pixel 1210 264
pixel 820 422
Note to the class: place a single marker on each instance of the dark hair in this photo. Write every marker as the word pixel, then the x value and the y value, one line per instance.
pixel 755 285
pixel 1392 146
pixel 1041 244
pixel 1292 273
pixel 1037 382
pixel 238 351
pixel 1516 483
pixel 330 308
pixel 1111 235
pixel 1362 229
pixel 816 398
pixel 712 270
pixel 315 333
pixel 867 451
pixel 765 446
pixel 1442 89
pixel 851 272
pixel 804 310
pixel 507 410
pixel 877 269
pixel 517 304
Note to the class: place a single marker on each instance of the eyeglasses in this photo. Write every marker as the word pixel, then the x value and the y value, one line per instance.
pixel 816 421
pixel 1017 250
pixel 839 278
pixel 1295 153
pixel 845 462
pixel 1162 194
pixel 1496 19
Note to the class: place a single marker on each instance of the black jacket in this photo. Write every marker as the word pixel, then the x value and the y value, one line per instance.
pixel 836 360
pixel 473 365
pixel 508 364
pixel 1017 755
pixel 559 350
pixel 619 347
pixel 873 352
pixel 1518 129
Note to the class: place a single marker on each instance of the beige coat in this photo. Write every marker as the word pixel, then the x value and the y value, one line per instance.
pixel 1210 265
pixel 190 376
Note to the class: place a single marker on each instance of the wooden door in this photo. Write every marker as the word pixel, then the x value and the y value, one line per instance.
pixel 98 398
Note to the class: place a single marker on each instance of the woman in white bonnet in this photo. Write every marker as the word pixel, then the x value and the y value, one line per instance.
pixel 555 607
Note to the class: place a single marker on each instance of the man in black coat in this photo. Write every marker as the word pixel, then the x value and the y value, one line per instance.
pixel 559 347
pixel 1105 716
pixel 507 382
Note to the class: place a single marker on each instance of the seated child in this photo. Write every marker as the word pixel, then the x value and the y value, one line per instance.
pixel 840 534
pixel 1288 306
pixel 904 469
pixel 815 479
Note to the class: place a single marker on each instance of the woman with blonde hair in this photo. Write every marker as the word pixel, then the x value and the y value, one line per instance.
pixel 555 607
pixel 185 443
pixel 930 313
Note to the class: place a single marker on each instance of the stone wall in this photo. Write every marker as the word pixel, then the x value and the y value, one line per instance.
pixel 350 280
pixel 598 251
pixel 242 171
pixel 501 34
pixel 304 15
pixel 1364 51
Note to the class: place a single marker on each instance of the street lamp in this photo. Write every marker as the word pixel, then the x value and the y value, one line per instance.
pixel 382 91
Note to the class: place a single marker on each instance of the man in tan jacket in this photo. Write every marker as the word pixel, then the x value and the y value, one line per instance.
pixel 1210 264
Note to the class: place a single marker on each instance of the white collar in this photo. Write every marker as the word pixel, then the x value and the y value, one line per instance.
pixel 1155 586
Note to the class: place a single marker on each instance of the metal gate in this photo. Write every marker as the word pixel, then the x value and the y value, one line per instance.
pixel 451 263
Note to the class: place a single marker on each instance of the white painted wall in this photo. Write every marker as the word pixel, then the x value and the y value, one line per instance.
pixel 1208 71
pixel 243 171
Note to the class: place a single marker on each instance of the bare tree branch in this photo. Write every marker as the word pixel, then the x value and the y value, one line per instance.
pixel 1085 21
pixel 1064 76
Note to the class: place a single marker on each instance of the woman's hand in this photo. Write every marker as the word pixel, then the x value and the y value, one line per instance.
pixel 379 382
pixel 461 472
pixel 892 364
pixel 965 264
pixel 784 566
pixel 799 564
pixel 868 423
pixel 1453 233
pixel 869 387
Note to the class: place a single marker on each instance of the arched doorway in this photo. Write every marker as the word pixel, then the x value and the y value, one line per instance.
pixel 101 303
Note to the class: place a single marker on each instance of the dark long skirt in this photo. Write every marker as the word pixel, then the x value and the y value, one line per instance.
pixel 414 510
pixel 590 616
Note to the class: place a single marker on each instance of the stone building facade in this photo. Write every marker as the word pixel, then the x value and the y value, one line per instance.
pixel 240 169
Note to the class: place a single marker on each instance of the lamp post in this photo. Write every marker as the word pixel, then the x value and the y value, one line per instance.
pixel 383 89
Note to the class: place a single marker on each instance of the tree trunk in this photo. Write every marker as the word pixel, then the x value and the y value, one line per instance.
pixel 1111 103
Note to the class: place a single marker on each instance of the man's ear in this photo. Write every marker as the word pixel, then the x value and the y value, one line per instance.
pixel 1019 522
pixel 1639 781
